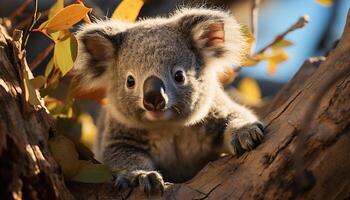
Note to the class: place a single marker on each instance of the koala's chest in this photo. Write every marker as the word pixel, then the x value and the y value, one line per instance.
pixel 180 152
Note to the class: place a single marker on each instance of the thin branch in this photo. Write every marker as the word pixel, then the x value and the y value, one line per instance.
pixel 41 57
pixel 20 9
pixel 299 24
pixel 27 21
pixel 32 23
pixel 254 17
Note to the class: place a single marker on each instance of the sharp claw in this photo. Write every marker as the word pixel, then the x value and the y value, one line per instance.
pixel 260 126
pixel 236 147
pixel 121 183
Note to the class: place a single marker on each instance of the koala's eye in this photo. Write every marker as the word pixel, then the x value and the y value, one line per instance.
pixel 130 81
pixel 179 76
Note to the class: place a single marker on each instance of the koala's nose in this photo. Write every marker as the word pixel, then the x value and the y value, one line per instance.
pixel 153 94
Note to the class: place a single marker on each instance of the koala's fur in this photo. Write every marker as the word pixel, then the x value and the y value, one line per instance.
pixel 199 121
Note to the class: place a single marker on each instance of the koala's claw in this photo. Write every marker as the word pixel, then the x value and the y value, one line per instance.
pixel 149 182
pixel 121 183
pixel 246 138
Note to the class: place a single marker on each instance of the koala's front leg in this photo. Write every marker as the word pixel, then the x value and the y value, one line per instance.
pixel 243 130
pixel 131 167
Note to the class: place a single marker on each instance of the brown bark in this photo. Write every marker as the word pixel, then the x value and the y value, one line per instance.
pixel 298 159
pixel 27 169
pixel 305 153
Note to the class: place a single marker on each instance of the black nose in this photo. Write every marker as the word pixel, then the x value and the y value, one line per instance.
pixel 153 96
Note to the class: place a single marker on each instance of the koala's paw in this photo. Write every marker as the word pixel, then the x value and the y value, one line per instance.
pixel 149 182
pixel 246 138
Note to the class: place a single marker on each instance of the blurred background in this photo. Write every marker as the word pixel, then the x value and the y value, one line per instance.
pixel 274 17
pixel 327 20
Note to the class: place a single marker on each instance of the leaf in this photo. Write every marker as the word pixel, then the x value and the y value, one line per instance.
pixel 37 82
pixel 65 154
pixel 59 109
pixel 67 17
pixel 281 44
pixel 271 67
pixel 31 94
pixel 63 57
pixel 128 10
pixel 49 68
pixel 325 2
pixel 55 8
pixel 250 90
pixel 273 60
pixel 92 173
pixel 42 25
pixel 89 130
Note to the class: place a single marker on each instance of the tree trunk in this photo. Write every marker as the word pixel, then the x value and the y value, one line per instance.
pixel 27 169
pixel 305 153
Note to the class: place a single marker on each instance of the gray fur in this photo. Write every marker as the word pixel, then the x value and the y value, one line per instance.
pixel 199 122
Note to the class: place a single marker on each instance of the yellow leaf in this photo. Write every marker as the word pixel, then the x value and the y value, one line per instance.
pixel 87 19
pixel 63 55
pixel 64 152
pixel 281 44
pixel 37 82
pixel 31 94
pixel 67 17
pixel 250 61
pixel 88 129
pixel 42 25
pixel 250 91
pixel 128 10
pixel 274 59
pixel 271 67
pixel 92 173
pixel 49 68
pixel 278 56
pixel 325 2
pixel 55 8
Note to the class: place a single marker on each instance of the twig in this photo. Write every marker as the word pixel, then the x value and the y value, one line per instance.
pixel 27 21
pixel 299 24
pixel 32 23
pixel 254 21
pixel 41 57
pixel 19 10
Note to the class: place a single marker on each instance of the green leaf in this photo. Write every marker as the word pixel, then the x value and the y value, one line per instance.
pixel 92 173
pixel 281 44
pixel 65 154
pixel 37 82
pixel 49 68
pixel 63 55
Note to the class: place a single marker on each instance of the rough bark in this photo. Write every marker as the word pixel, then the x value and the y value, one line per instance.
pixel 27 169
pixel 298 159
pixel 305 154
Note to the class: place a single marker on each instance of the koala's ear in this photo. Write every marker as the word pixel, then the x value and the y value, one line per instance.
pixel 97 47
pixel 215 35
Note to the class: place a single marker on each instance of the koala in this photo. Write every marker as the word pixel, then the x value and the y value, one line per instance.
pixel 167 114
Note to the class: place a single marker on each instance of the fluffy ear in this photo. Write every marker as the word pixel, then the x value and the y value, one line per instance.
pixel 97 47
pixel 215 35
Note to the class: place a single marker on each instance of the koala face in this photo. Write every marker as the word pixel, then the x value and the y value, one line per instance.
pixel 159 71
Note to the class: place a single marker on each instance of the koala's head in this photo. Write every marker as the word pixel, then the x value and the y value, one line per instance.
pixel 160 70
